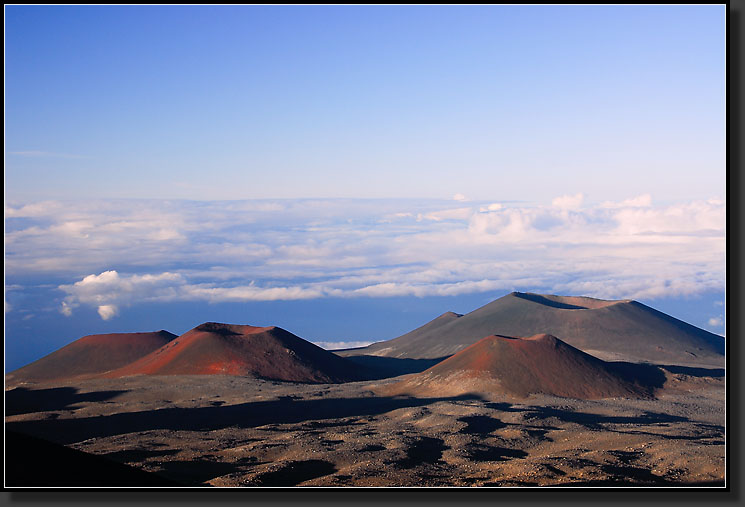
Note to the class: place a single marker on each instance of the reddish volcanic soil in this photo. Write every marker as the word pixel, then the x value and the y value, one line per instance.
pixel 575 302
pixel 520 367
pixel 91 355
pixel 234 406
pixel 224 349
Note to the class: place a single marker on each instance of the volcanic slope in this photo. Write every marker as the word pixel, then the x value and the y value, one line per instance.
pixel 428 329
pixel 90 356
pixel 266 352
pixel 611 330
pixel 520 367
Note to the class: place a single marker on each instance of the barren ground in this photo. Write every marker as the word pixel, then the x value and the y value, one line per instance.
pixel 238 431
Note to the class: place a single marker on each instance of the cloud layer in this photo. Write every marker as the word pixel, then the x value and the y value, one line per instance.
pixel 114 254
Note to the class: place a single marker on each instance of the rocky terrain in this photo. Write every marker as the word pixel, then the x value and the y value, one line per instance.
pixel 240 431
pixel 229 405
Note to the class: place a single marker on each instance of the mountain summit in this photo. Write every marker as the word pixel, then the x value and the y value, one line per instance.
pixel 266 352
pixel 521 367
pixel 611 330
pixel 90 356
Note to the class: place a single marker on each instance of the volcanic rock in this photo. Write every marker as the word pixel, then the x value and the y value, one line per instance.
pixel 225 349
pixel 521 367
pixel 90 356
pixel 612 330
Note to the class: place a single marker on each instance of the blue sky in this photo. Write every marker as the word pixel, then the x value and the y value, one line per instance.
pixel 495 102
pixel 317 167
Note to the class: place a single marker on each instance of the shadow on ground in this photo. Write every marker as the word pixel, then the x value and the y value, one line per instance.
pixel 137 455
pixel 196 472
pixel 377 367
pixel 36 462
pixel 481 424
pixel 589 420
pixel 244 415
pixel 648 377
pixel 22 400
pixel 695 372
pixel 295 472
pixel 600 422
pixel 425 450
pixel 488 453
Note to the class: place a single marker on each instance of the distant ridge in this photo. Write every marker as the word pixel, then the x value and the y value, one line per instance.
pixel 521 367
pixel 225 349
pixel 611 330
pixel 90 356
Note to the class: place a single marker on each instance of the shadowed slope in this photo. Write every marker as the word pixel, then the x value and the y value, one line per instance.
pixel 35 462
pixel 268 352
pixel 520 367
pixel 91 355
pixel 380 365
pixel 612 330
pixel 380 349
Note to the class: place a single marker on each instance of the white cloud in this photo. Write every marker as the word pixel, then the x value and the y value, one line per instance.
pixel 640 201
pixel 67 308
pixel 107 311
pixel 249 293
pixel 37 209
pixel 446 214
pixel 716 321
pixel 460 197
pixel 147 251
pixel 694 218
pixel 491 207
pixel 569 201
pixel 107 290
pixel 342 344
pixel 390 289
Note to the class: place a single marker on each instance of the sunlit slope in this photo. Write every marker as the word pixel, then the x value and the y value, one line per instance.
pixel 521 367
pixel 91 355
pixel 225 349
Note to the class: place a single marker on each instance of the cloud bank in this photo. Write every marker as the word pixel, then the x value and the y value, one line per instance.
pixel 114 254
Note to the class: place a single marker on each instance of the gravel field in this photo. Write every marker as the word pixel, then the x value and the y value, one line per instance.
pixel 238 431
